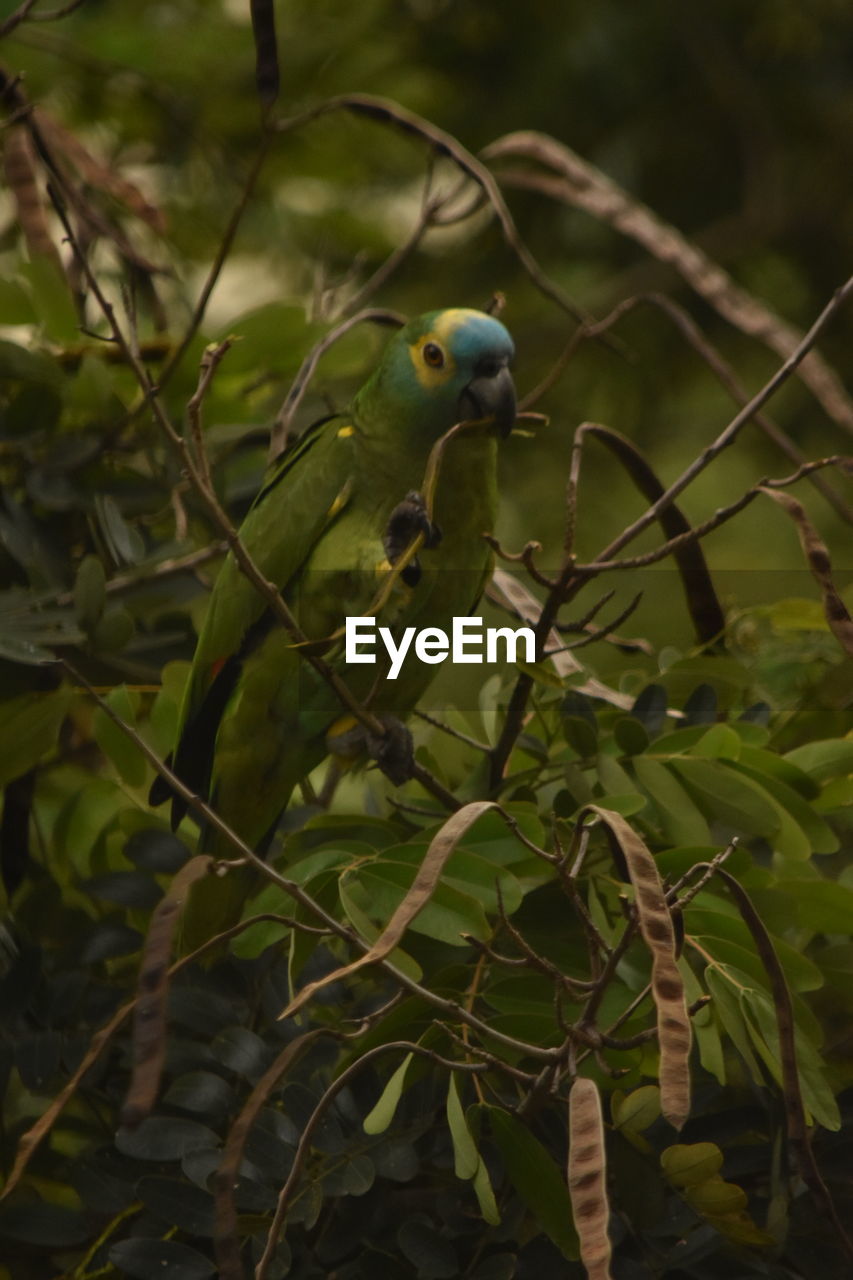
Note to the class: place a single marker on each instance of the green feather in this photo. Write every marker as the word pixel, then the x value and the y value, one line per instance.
pixel 256 716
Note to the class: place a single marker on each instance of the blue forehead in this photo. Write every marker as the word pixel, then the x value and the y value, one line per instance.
pixel 467 334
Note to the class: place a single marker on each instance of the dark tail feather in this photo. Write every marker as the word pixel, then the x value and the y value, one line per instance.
pixel 161 790
pixel 192 760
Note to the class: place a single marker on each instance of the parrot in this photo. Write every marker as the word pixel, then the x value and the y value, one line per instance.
pixel 333 516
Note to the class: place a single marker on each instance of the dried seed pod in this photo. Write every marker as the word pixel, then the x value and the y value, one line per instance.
pixel 673 1021
pixel 588 1178
pixel 21 170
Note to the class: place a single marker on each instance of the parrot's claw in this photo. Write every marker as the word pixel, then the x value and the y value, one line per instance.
pixel 393 750
pixel 406 521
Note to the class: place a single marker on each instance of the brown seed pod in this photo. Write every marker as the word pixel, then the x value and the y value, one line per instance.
pixel 655 920
pixel 588 1178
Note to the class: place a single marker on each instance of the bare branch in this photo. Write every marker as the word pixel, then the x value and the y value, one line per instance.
pixel 720 517
pixel 734 426
pixel 444 144
pixel 583 185
pixel 210 362
pixel 280 435
pixel 15 19
pixel 286 1193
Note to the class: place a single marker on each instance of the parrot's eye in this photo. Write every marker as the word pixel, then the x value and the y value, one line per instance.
pixel 433 355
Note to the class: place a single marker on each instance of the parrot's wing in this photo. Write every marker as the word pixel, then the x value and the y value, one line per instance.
pixel 304 494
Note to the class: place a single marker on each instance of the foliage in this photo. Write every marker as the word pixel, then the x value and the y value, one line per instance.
pixel 372 1072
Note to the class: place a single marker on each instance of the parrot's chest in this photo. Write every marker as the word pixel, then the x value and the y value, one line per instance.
pixel 343 575
pixel 348 574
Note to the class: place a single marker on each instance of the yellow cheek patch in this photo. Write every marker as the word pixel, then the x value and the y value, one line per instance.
pixel 429 377
pixel 346 432
pixel 445 326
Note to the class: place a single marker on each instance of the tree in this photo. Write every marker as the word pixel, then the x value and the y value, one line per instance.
pixel 490 978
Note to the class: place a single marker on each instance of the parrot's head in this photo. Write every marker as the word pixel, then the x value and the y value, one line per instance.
pixel 447 366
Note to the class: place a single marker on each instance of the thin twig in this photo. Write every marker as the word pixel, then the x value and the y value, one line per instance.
pixel 16 18
pixel 448 1007
pixel 448 729
pixel 718 366
pixel 429 207
pixel 728 436
pixel 225 244
pixel 280 434
pixel 720 517
pixel 328 1097
pixel 387 111
pixel 210 362
pixel 583 185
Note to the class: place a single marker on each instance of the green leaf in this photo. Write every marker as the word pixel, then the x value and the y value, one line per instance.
pixel 491 838
pixel 728 797
pixel 51 1226
pixel 825 759
pixel 153 849
pixel 21 365
pixel 124 541
pixel 726 676
pixel 701 707
pixel 173 1200
pixel 90 591
pixel 620 792
pixel 726 1006
pixel 329 830
pixel 716 1198
pixel 446 917
pixel 19 648
pixel 29 726
pixel 817 1095
pixel 355 902
pixel 380 1117
pixel 433 1256
pixel 165 1138
pixel 681 822
pixel 637 1110
pixel 471 873
pixel 542 673
pixel 536 1178
pixel 114 630
pixel 52 299
pixel 465 1154
pixel 705 1027
pixel 689 1164
pixel 143 1257
pixel 125 888
pixel 255 938
pixel 630 735
pixel 119 749
pixel 721 933
pixel 15 304
pixel 650 708
pixel 822 905
pixel 495 1266
pixel 719 743
pixel 768 762
pixel 817 833
pixel 580 735
pixel 485 1195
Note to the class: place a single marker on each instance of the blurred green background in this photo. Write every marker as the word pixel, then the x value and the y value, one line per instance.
pixel 730 119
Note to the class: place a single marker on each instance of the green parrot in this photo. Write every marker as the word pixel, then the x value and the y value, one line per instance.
pixel 332 518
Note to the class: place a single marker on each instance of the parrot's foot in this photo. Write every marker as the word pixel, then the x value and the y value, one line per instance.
pixel 393 751
pixel 406 521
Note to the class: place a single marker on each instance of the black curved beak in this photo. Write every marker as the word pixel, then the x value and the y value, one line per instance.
pixel 491 394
